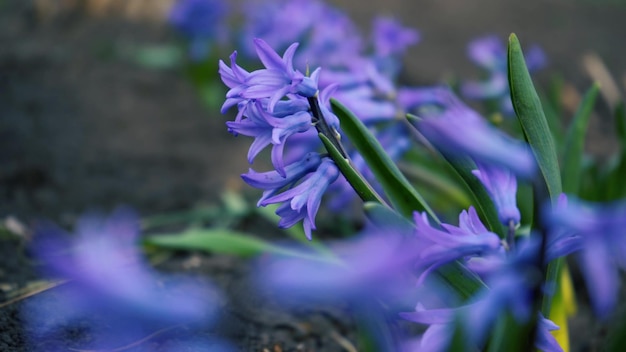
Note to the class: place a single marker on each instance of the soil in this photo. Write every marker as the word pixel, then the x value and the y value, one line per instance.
pixel 82 128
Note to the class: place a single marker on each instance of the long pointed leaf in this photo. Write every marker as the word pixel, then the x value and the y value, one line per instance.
pixel 360 185
pixel 536 131
pixel 397 188
pixel 227 241
pixel 531 117
pixel 575 142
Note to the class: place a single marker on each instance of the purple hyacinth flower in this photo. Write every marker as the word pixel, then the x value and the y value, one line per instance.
pixel 202 21
pixel 302 201
pixel 268 129
pixel 441 321
pixel 234 77
pixel 198 18
pixel 597 232
pixel 272 182
pixel 372 264
pixel 279 78
pixel 268 20
pixel 364 103
pixel 501 185
pixel 492 88
pixel 105 259
pixel 458 130
pixel 488 52
pixel 111 288
pixel 511 281
pixel 391 38
pixel 438 335
pixel 438 247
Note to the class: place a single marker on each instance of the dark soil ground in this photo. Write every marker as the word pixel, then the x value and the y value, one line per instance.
pixel 81 128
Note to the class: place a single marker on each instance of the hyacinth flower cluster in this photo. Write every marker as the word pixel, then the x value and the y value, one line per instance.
pixel 364 75
pixel 111 290
pixel 489 53
pixel 274 104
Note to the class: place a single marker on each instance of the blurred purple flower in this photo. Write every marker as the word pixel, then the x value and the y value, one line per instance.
pixel 268 20
pixel 391 38
pixel 598 233
pixel 490 53
pixel 371 265
pixel 511 281
pixel 202 21
pixel 331 38
pixel 458 130
pixel 441 246
pixel 110 279
pixel 438 335
pixel 501 185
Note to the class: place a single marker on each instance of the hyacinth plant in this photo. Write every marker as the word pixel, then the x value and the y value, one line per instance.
pixel 342 128
pixel 497 273
pixel 467 222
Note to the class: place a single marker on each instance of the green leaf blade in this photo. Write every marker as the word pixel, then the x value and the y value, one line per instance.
pixel 400 192
pixel 575 142
pixel 360 185
pixel 530 114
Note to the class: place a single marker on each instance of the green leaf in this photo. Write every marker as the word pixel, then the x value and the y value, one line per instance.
pixel 532 119
pixel 440 183
pixel 398 189
pixel 360 185
pixel 219 240
pixel 575 142
pixel 536 131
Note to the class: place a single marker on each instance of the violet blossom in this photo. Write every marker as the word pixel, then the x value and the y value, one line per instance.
pixel 596 233
pixel 441 246
pixel 303 201
pixel 501 185
pixel 458 130
pixel 511 281
pixel 109 279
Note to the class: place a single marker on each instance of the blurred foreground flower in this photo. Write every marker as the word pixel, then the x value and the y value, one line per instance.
pixel 597 233
pixel 112 289
pixel 458 130
pixel 511 279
